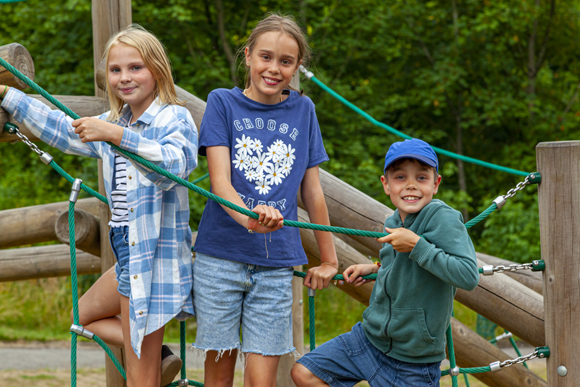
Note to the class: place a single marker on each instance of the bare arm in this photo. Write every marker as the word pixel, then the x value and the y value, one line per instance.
pixel 313 198
pixel 220 174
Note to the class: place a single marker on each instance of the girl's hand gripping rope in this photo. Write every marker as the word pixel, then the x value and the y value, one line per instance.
pixel 269 219
pixel 319 277
pixel 92 129
pixel 353 274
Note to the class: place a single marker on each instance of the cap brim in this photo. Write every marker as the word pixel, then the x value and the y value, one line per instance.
pixel 423 159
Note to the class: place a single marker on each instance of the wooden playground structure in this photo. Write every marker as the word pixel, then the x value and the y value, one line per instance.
pixel 542 310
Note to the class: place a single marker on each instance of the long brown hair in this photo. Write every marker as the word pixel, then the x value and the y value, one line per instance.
pixel 281 23
pixel 155 59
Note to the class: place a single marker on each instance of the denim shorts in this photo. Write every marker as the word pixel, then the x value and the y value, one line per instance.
pixel 229 295
pixel 350 358
pixel 119 237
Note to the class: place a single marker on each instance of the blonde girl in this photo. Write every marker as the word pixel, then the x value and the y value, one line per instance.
pixel 151 282
pixel 263 143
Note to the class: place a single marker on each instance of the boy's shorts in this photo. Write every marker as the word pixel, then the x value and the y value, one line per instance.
pixel 350 358
pixel 228 295
pixel 119 237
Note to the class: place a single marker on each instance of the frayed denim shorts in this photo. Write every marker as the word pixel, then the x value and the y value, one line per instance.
pixel 119 237
pixel 229 296
pixel 350 358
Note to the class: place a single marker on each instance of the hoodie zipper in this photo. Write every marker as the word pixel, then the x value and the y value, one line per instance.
pixel 390 303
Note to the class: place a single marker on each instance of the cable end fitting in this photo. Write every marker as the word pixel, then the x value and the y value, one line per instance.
pixel 10 128
pixel 534 178
pixel 182 382
pixel 311 292
pixel 538 265
pixel 76 188
pixel 495 366
pixel 46 158
pixel 543 352
pixel 307 73
pixel 500 201
pixel 487 270
pixel 80 331
pixel 454 371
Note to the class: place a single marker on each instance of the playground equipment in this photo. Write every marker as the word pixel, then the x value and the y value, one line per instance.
pixel 503 300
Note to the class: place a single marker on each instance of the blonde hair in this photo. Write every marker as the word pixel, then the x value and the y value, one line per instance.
pixel 155 59
pixel 281 23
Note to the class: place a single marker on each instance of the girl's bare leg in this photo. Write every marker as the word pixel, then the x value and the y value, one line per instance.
pixel 146 371
pixel 261 370
pixel 220 373
pixel 99 308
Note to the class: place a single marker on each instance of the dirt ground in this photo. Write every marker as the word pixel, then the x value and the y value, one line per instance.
pixel 96 378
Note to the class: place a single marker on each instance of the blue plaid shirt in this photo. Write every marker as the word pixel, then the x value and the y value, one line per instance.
pixel 159 235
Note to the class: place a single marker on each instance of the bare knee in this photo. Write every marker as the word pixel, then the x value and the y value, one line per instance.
pixel 302 377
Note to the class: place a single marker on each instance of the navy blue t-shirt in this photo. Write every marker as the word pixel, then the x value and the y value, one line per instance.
pixel 271 147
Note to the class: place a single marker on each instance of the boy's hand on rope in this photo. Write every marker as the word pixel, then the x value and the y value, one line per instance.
pixel 92 129
pixel 269 219
pixel 319 277
pixel 353 274
pixel 403 240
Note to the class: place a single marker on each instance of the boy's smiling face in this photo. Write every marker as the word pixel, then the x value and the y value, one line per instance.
pixel 411 186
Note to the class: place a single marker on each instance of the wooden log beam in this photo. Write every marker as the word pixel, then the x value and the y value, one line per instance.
pixel 509 304
pixel 35 224
pixel 43 262
pixel 19 57
pixel 84 106
pixel 87 231
pixel 559 195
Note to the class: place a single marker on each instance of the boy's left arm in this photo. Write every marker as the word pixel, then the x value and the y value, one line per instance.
pixel 446 250
pixel 175 151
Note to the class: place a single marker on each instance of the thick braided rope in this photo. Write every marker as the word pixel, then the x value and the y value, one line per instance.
pixel 182 347
pixel 111 356
pixel 451 353
pixel 74 288
pixel 312 323
pixel 474 370
pixel 405 136
pixel 10 1
pixel 481 216
pixel 70 179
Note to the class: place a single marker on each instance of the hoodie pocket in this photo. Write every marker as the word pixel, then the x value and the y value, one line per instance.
pixel 408 330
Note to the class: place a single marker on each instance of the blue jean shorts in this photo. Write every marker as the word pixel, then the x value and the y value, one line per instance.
pixel 119 237
pixel 350 358
pixel 229 296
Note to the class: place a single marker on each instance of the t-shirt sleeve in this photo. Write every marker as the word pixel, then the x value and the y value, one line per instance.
pixel 316 153
pixel 214 129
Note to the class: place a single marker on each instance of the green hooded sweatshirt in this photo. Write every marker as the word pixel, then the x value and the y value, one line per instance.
pixel 411 303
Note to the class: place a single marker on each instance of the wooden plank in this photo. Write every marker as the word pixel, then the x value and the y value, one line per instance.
pixel 109 17
pixel 43 262
pixel 35 224
pixel 19 57
pixel 559 198
pixel 84 106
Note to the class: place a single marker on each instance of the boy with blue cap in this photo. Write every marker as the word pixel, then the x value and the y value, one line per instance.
pixel 425 257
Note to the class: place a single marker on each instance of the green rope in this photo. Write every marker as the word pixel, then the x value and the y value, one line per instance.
pixel 182 348
pixel 451 355
pixel 474 370
pixel 111 356
pixel 312 323
pixel 481 216
pixel 302 274
pixel 10 1
pixel 68 177
pixel 74 288
pixel 405 136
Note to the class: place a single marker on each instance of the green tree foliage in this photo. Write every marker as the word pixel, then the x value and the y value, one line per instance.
pixel 488 79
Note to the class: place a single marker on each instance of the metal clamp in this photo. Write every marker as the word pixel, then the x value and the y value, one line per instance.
pixel 308 74
pixel 487 270
pixel 495 366
pixel 76 188
pixel 311 292
pixel 182 382
pixel 538 265
pixel 81 331
pixel 10 128
pixel 500 201
pixel 505 335
pixel 454 371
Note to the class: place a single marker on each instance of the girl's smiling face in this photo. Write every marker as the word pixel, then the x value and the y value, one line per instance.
pixel 273 62
pixel 410 186
pixel 130 79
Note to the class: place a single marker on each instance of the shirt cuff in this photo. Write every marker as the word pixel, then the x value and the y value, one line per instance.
pixel 11 100
pixel 421 250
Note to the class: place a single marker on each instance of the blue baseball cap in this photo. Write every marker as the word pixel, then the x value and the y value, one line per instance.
pixel 411 149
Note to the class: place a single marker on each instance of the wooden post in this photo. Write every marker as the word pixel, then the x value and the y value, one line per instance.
pixel 19 57
pixel 87 231
pixel 109 17
pixel 559 198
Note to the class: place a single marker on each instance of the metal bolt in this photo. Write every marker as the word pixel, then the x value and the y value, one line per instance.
pixel 562 371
